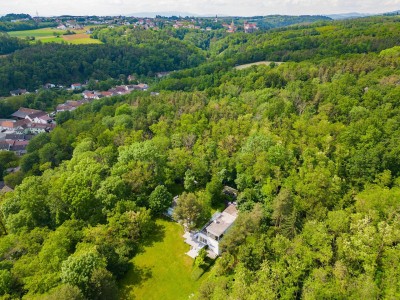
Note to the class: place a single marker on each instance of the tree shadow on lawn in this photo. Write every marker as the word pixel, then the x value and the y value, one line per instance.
pixel 137 277
pixel 157 235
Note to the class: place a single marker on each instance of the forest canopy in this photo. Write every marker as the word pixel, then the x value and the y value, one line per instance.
pixel 311 145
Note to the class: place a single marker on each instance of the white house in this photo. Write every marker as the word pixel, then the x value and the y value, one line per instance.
pixel 76 86
pixel 39 118
pixel 213 232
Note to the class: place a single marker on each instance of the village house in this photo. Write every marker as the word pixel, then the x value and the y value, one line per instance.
pixel 13 126
pixel 35 128
pixel 19 147
pixel 18 92
pixel 131 78
pixel 64 107
pixel 23 112
pixel 76 86
pixel 32 115
pixel 5 145
pixel 39 118
pixel 91 95
pixel 71 105
pixel 62 27
pixel 106 94
pixel 250 28
pixel 49 86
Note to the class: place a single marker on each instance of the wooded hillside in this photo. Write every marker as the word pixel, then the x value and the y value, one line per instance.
pixel 312 146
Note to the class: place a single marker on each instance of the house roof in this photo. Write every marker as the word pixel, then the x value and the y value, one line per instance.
pixel 45 118
pixel 17 92
pixel 8 124
pixel 6 145
pixel 19 145
pixel 21 123
pixel 38 114
pixel 230 191
pixel 14 136
pixel 106 94
pixel 6 189
pixel 221 224
pixel 23 112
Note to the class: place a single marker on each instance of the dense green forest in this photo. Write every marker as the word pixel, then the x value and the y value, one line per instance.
pixel 312 145
pixel 34 66
pixel 9 44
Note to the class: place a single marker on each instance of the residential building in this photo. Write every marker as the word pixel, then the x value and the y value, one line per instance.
pixel 76 86
pixel 18 92
pixel 213 232
pixel 250 28
pixel 23 112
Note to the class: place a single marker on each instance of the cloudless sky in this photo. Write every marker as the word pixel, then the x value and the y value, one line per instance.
pixel 225 7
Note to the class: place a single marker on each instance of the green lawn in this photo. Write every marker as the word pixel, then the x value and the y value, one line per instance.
pixel 163 270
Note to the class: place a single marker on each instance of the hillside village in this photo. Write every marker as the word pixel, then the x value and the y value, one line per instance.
pixel 24 124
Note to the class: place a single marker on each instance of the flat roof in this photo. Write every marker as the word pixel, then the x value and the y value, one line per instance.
pixel 221 224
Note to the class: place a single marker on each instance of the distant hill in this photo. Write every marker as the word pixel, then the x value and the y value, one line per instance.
pixel 351 15
pixel 277 21
pixel 354 15
pixel 10 17
pixel 393 13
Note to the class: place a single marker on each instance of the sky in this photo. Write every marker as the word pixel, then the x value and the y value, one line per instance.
pixel 201 7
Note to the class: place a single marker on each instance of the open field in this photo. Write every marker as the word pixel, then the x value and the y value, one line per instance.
pixel 267 63
pixel 80 38
pixel 37 33
pixel 53 35
pixel 163 270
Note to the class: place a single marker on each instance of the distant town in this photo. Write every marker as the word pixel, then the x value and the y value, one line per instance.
pixel 229 24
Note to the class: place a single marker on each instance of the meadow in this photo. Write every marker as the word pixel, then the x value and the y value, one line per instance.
pixel 162 270
pixel 53 35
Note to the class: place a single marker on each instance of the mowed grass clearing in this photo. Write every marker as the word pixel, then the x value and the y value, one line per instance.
pixel 266 63
pixel 53 35
pixel 163 270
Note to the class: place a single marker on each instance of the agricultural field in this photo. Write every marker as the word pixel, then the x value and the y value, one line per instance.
pixel 53 35
pixel 162 270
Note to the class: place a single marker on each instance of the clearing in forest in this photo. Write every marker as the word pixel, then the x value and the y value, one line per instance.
pixel 162 270
pixel 267 63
